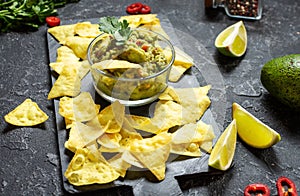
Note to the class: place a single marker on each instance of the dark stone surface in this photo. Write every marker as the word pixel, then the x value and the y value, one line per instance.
pixel 30 162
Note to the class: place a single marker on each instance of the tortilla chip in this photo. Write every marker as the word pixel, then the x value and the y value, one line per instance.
pixel 67 84
pixel 176 73
pixel 167 114
pixel 84 107
pixel 79 45
pixel 81 108
pixel 181 63
pixel 82 66
pixel 110 140
pixel 140 19
pixel 169 95
pixel 66 54
pixel 194 102
pixel 27 113
pixel 85 169
pixel 74 141
pixel 86 29
pixel 205 130
pixel 187 134
pixel 88 133
pixel 156 27
pixel 132 160
pixel 113 116
pixel 186 149
pixel 115 64
pixel 153 153
pixel 118 163
pixel 68 123
pixel 206 146
pixel 62 32
pixel 142 123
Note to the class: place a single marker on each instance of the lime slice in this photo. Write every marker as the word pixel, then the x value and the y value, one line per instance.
pixel 252 131
pixel 223 152
pixel 232 41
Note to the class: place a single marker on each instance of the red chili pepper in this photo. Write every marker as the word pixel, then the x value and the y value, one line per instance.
pixel 145 9
pixel 257 189
pixel 286 187
pixel 52 21
pixel 134 8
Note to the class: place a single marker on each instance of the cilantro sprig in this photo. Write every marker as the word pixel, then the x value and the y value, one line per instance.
pixel 22 15
pixel 119 29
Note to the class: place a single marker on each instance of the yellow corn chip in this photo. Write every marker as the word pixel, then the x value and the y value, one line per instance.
pixel 88 133
pixel 74 141
pixel 140 19
pixel 81 108
pixel 167 114
pixel 110 140
pixel 66 108
pixel 153 153
pixel 187 134
pixel 205 130
pixel 82 66
pixel 116 64
pixel 86 29
pixel 156 27
pixel 62 32
pixel 68 123
pixel 27 113
pixel 118 163
pixel 113 115
pixel 86 169
pixel 186 149
pixel 169 95
pixel 206 146
pixel 187 139
pixel 66 54
pixel 176 72
pixel 181 63
pixel 130 159
pixel 194 102
pixel 84 107
pixel 67 84
pixel 79 45
pixel 142 123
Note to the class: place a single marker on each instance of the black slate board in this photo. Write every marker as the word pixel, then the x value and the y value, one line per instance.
pixel 142 182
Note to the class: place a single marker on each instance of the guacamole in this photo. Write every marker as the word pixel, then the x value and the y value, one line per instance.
pixel 142 48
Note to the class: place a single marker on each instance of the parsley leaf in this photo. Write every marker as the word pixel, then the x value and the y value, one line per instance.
pixel 120 30
pixel 22 15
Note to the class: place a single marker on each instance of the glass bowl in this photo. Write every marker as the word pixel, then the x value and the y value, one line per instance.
pixel 134 72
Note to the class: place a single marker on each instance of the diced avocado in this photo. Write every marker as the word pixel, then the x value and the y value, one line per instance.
pixel 134 55
pixel 281 77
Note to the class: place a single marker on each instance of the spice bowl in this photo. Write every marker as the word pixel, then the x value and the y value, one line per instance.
pixel 134 71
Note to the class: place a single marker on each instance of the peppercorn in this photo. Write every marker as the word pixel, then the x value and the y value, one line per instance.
pixel 246 9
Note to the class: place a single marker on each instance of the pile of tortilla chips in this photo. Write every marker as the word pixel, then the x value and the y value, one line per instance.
pixel 95 132
pixel 174 128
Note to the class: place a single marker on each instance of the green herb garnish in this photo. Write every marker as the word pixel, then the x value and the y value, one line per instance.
pixel 22 15
pixel 120 30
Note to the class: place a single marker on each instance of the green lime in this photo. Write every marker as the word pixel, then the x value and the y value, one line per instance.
pixel 232 41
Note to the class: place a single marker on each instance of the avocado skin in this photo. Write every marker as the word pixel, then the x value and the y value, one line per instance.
pixel 281 77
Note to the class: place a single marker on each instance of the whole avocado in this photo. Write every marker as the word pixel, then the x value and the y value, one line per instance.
pixel 281 77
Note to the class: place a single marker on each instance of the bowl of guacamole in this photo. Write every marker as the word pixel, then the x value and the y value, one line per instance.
pixel 135 71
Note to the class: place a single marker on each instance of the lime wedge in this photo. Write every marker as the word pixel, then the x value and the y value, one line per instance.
pixel 232 41
pixel 223 152
pixel 252 131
